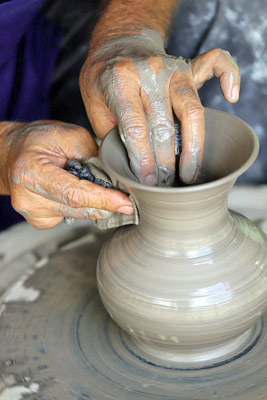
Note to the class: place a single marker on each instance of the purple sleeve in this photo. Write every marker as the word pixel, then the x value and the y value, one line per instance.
pixel 28 49
pixel 15 17
pixel 29 45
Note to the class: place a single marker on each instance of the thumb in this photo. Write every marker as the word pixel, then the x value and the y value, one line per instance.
pixel 65 188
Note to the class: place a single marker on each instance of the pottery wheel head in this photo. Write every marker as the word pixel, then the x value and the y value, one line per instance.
pixel 58 342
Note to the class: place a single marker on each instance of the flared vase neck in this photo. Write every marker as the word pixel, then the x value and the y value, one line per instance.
pixel 184 216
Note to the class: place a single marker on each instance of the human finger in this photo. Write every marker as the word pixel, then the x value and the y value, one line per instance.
pixel 81 193
pixel 122 95
pixel 45 213
pixel 60 186
pixel 134 132
pixel 160 121
pixel 83 213
pixel 219 63
pixel 189 110
pixel 101 118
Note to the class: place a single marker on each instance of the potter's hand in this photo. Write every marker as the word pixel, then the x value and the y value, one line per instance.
pixel 132 82
pixel 41 190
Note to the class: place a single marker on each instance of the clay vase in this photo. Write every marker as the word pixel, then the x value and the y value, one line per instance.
pixel 189 283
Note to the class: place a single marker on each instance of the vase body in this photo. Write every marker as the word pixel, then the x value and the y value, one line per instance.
pixel 189 282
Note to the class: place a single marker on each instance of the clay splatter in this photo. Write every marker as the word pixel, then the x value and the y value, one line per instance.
pixel 18 392
pixel 18 292
pixel 15 179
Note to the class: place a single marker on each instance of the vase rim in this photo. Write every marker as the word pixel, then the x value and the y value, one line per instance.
pixel 193 188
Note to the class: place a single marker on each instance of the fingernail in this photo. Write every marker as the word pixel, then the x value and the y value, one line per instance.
pixel 235 93
pixel 126 210
pixel 150 180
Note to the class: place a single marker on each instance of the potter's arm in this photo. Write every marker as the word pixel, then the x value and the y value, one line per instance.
pixel 32 160
pixel 128 80
pixel 132 17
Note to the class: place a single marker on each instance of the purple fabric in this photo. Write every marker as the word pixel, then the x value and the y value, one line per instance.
pixel 29 46
pixel 15 18
pixel 28 49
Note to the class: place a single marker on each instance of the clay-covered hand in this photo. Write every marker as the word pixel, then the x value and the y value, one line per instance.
pixel 132 82
pixel 41 190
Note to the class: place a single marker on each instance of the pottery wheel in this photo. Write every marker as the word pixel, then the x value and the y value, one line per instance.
pixel 58 342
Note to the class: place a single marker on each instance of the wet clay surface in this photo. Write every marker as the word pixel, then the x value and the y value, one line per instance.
pixel 190 281
pixel 58 342
pixel 62 344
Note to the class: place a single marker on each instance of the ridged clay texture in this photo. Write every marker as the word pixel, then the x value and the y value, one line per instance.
pixel 190 282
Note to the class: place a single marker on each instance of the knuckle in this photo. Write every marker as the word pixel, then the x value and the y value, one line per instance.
pixel 219 53
pixel 164 132
pixel 155 59
pixel 216 52
pixel 193 109
pixel 184 90
pixel 134 130
pixel 104 203
pixel 74 197
pixel 226 53
pixel 122 65
pixel 114 69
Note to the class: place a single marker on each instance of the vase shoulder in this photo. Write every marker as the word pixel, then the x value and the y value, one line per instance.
pixel 191 276
pixel 189 294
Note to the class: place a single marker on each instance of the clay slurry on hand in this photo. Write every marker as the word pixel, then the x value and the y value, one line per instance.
pixel 91 170
pixel 131 82
pixel 82 171
pixel 178 150
pixel 33 174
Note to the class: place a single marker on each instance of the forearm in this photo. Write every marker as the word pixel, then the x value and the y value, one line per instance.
pixel 6 129
pixel 131 17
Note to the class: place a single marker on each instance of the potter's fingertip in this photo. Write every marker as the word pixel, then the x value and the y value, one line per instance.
pixel 126 210
pixel 189 168
pixel 235 93
pixel 189 175
pixel 185 179
pixel 150 180
pixel 166 175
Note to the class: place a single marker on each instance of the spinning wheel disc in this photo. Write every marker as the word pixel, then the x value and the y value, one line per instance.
pixel 58 342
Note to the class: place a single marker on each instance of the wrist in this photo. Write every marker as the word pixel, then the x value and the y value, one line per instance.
pixel 138 44
pixel 131 17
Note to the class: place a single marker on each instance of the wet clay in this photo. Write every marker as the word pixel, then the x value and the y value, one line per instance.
pixel 190 282
pixel 91 169
pixel 58 342
pixel 154 70
pixel 141 84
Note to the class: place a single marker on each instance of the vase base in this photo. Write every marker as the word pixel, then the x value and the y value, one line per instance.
pixel 62 344
pixel 193 358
